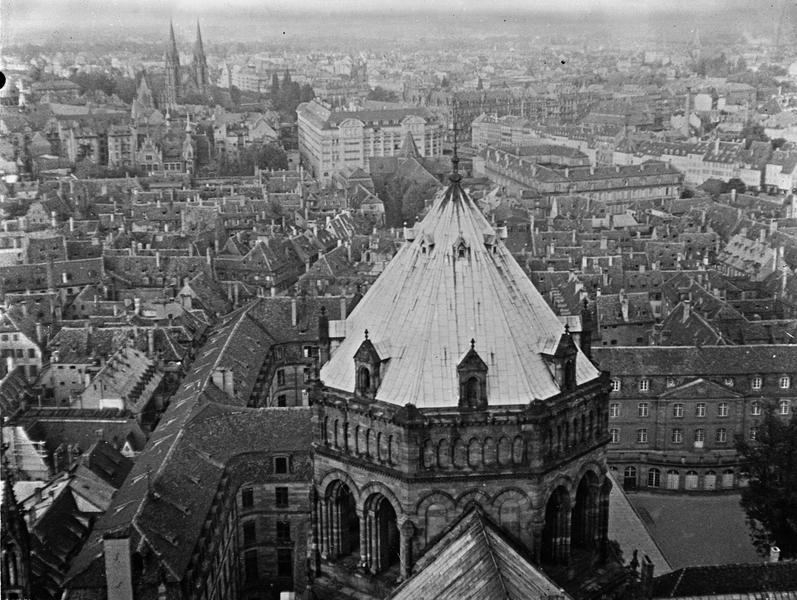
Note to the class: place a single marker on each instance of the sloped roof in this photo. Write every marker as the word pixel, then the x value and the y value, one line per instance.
pixel 718 580
pixel 453 283
pixel 473 560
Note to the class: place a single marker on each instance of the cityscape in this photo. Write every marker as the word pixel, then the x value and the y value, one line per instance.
pixel 385 300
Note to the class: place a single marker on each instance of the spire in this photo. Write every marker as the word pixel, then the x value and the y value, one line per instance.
pixel 455 177
pixel 198 48
pixel 172 43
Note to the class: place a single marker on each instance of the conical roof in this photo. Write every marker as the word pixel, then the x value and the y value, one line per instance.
pixel 456 281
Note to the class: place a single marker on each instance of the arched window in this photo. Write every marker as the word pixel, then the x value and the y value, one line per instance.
pixel 654 477
pixel 472 392
pixel 363 380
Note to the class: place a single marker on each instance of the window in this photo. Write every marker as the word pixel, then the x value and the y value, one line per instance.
pixel 654 478
pixel 283 531
pixel 616 385
pixel 785 407
pixel 284 562
pixel 280 377
pixel 615 433
pixel 250 565
pixel 728 381
pixel 642 436
pixel 677 436
pixel 282 400
pixel 753 434
pixel 755 408
pixel 756 383
pixel 247 498
pixel 721 435
pixel 306 374
pixel 250 535
pixel 281 465
pixel 700 409
pixel 614 409
pixel 644 385
pixel 32 354
pixel 629 478
pixel 281 497
pixel 642 409
pixel 678 410
pixel 700 435
pixel 784 382
pixel 722 409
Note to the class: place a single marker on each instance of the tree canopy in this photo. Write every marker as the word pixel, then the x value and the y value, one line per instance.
pixel 770 499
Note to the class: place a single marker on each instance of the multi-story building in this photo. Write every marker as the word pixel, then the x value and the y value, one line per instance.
pixel 619 188
pixel 430 403
pixel 674 411
pixel 332 140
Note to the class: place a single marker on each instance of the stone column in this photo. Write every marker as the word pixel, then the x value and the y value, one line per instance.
pixel 362 516
pixel 322 527
pixel 406 532
pixel 375 559
pixel 537 532
pixel 315 554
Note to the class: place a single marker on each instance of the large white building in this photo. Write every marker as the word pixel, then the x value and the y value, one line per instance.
pixel 330 141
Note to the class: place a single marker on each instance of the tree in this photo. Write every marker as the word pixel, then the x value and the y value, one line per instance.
pixel 770 499
pixel 275 87
pixel 734 184
pixel 380 94
pixel 778 143
pixel 235 96
pixel 307 93
pixel 687 193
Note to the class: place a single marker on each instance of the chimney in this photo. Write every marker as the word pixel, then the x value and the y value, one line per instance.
pixel 151 342
pixel 762 235
pixel 223 379
pixel 157 258
pixel 687 310
pixel 9 363
pixel 136 305
pixel 293 312
pixel 118 568
pixel 343 308
pixel 716 145
pixel 774 554
pixel 71 223
pixel 273 291
pixel 40 334
pixel 53 219
pixel 208 257
pixel 624 305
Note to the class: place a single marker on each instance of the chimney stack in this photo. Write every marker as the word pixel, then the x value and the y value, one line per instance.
pixel 293 312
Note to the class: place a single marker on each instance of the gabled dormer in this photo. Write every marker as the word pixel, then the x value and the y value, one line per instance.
pixel 367 364
pixel 461 248
pixel 472 374
pixel 562 361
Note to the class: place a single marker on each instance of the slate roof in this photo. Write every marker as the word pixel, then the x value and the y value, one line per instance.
pixel 164 501
pixel 693 361
pixel 455 282
pixel 473 560
pixel 727 580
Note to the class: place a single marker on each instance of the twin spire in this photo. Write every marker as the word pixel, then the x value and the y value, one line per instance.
pixel 199 49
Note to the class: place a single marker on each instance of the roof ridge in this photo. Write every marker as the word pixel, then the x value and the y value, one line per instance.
pixel 491 551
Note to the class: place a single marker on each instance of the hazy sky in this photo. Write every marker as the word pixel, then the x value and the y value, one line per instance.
pixel 78 19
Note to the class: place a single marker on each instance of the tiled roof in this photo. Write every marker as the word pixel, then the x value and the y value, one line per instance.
pixel 474 561
pixel 455 282
pixel 694 361
pixel 727 580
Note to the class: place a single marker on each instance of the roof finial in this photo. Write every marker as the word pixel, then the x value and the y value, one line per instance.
pixel 472 343
pixel 455 176
pixel 366 334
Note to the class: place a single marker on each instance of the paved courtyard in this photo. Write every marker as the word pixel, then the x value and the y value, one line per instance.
pixel 697 530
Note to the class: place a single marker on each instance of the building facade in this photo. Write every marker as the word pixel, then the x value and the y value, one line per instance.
pixel 674 411
pixel 331 141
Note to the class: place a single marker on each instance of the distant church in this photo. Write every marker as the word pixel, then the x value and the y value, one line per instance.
pixel 182 84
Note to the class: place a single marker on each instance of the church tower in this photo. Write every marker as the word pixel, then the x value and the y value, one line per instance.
pixel 173 81
pixel 453 384
pixel 199 64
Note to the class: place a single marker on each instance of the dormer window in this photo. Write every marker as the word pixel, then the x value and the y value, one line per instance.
pixel 472 373
pixel 461 248
pixel 367 363
pixel 563 361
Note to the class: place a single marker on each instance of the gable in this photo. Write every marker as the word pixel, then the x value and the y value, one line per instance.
pixel 700 388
